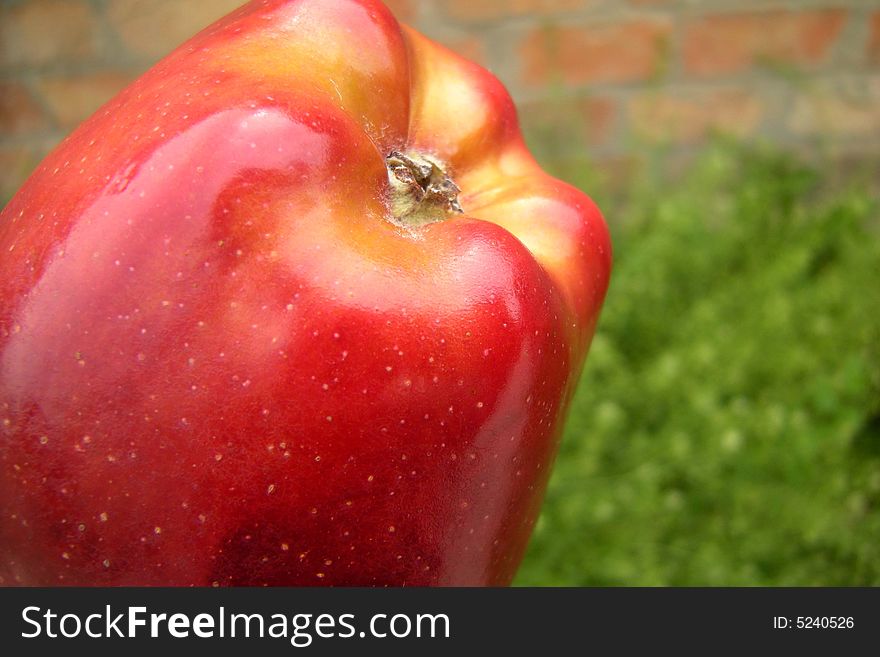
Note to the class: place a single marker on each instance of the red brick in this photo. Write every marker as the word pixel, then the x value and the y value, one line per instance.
pixel 403 10
pixel 472 48
pixel 622 52
pixel 688 116
pixel 40 32
pixel 19 112
pixel 580 121
pixel 839 110
pixel 153 28
pixel 874 39
pixel 476 11
pixel 732 43
pixel 72 99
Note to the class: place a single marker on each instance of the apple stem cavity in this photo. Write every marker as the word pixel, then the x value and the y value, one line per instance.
pixel 421 192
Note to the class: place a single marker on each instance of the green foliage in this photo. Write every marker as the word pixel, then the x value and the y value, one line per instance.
pixel 726 430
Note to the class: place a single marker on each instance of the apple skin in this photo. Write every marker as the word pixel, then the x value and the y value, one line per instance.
pixel 221 363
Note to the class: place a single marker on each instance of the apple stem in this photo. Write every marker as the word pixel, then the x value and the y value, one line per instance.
pixel 421 192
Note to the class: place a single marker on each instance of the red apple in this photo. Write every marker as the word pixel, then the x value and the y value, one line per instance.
pixel 295 308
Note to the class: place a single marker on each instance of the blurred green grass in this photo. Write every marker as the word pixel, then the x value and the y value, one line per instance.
pixel 726 430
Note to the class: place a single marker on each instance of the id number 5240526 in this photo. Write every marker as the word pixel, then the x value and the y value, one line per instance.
pixel 813 622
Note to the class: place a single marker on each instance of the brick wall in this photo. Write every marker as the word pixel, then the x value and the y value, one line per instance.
pixel 604 76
